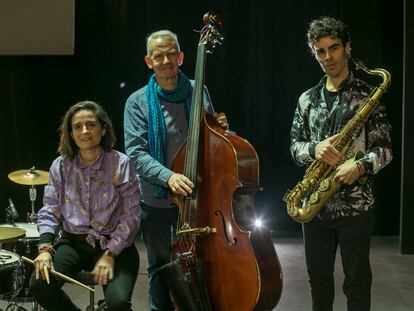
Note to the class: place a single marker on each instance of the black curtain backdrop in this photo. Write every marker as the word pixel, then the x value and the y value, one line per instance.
pixel 255 77
pixel 407 165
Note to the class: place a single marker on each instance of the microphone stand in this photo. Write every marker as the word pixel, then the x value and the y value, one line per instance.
pixel 32 217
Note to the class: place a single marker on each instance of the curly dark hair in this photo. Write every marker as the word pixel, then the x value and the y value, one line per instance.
pixel 67 146
pixel 327 26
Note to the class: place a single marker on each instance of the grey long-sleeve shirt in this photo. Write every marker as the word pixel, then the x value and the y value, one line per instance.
pixel 147 168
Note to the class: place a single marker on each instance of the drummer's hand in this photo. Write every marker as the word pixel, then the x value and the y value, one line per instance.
pixel 222 120
pixel 179 184
pixel 43 259
pixel 104 270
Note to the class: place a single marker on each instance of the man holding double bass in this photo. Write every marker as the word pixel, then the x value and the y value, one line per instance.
pixel 156 124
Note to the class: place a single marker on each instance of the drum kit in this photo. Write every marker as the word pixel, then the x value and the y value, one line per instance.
pixel 20 239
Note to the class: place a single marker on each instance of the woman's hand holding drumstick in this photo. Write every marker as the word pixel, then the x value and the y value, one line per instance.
pixel 43 263
pixel 55 273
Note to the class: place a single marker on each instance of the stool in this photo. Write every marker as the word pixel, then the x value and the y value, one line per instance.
pixel 86 278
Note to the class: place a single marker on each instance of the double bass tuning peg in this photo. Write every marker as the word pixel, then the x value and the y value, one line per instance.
pixel 215 39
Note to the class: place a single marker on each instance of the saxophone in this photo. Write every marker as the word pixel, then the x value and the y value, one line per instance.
pixel 309 196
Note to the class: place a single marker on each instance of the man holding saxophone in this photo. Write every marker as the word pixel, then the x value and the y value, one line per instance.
pixel 346 219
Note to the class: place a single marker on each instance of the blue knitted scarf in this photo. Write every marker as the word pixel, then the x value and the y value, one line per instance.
pixel 157 132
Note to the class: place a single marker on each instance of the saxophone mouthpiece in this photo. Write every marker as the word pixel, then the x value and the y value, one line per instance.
pixel 359 64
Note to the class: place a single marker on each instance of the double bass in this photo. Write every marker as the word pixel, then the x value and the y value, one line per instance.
pixel 228 263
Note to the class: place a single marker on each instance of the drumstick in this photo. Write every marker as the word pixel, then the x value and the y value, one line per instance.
pixel 62 276
pixel 46 274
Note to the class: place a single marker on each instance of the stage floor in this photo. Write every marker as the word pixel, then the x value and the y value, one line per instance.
pixel 392 289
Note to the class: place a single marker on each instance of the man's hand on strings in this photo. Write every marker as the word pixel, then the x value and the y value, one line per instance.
pixel 222 120
pixel 179 184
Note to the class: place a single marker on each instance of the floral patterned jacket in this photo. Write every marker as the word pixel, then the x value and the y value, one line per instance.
pixel 313 123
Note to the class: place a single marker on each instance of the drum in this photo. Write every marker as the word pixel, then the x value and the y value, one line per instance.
pixel 10 274
pixel 24 246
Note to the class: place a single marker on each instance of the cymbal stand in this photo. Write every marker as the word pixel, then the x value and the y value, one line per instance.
pixel 32 217
pixel 15 306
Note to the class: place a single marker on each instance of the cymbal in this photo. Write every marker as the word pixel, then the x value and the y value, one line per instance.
pixel 29 177
pixel 10 233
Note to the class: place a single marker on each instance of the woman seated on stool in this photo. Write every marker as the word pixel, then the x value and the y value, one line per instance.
pixel 93 195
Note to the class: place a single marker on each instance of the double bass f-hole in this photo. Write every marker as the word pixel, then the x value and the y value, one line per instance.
pixel 226 234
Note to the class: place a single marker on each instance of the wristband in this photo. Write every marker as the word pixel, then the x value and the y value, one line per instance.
pixel 47 249
pixel 109 253
pixel 361 168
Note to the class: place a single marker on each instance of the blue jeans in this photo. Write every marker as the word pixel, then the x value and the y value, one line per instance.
pixel 158 227
pixel 322 238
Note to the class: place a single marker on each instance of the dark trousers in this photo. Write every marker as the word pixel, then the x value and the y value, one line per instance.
pixel 158 227
pixel 322 237
pixel 69 259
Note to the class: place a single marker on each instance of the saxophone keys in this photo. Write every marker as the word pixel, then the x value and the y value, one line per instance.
pixel 324 185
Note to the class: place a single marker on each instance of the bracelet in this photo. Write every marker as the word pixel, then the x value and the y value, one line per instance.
pixel 47 249
pixel 109 253
pixel 361 167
